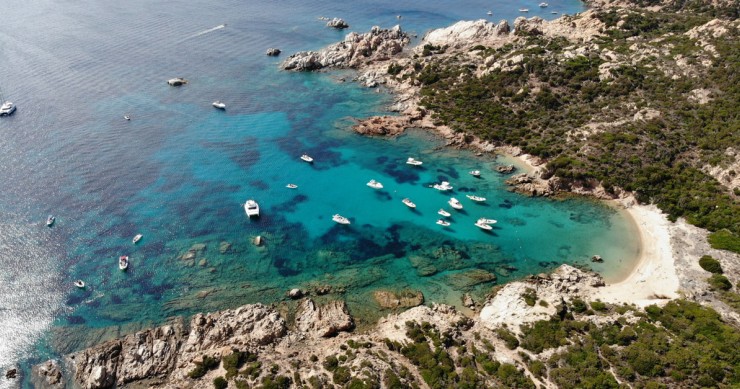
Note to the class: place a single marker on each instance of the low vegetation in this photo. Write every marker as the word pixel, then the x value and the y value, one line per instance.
pixel 710 264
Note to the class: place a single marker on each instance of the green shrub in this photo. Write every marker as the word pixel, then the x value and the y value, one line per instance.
pixel 241 384
pixel 530 296
pixel 341 375
pixel 331 363
pixel 391 380
pixel 394 69
pixel 579 306
pixel 725 240
pixel 710 264
pixel 598 306
pixel 719 282
pixel 201 368
pixel 508 337
pixel 220 383
pixel 276 382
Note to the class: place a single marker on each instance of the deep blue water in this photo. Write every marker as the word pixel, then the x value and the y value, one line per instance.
pixel 179 171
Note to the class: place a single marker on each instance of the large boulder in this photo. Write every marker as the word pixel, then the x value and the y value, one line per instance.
pixel 337 23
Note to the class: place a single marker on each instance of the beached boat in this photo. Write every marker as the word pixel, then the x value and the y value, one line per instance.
pixel 443 223
pixel 137 238
pixel 291 186
pixel 7 108
pixel 414 162
pixel 475 173
pixel 50 220
pixel 375 184
pixel 408 203
pixel 306 158
pixel 544 5
pixel 487 221
pixel 340 219
pixel 218 104
pixel 444 186
pixel 443 212
pixel 455 203
pixel 483 226
pixel 252 208
pixel 123 262
pixel 523 9
pixel 476 198
pixel 177 81
pixel 80 284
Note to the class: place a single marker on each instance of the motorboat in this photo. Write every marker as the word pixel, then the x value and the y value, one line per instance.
pixel 50 220
pixel 544 5
pixel 177 81
pixel 413 162
pixel 340 219
pixel 291 186
pixel 218 104
pixel 455 203
pixel 80 284
pixel 123 262
pixel 408 203
pixel 127 117
pixel 306 158
pixel 444 186
pixel 375 184
pixel 7 108
pixel 523 9
pixel 443 212
pixel 487 221
pixel 137 238
pixel 483 226
pixel 252 208
pixel 476 198
pixel 489 13
pixel 475 173
pixel 443 223
pixel 554 12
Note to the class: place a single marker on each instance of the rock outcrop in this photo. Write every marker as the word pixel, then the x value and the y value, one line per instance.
pixel 382 125
pixel 337 23
pixel 532 186
pixel 323 321
pixel 403 299
pixel 464 32
pixel 273 52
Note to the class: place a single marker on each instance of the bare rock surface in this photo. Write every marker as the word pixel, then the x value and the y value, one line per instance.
pixel 403 299
pixel 323 321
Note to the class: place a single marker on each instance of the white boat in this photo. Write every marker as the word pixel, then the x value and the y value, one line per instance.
pixel 252 208
pixel 443 212
pixel 455 203
pixel 443 222
pixel 137 238
pixel 340 219
pixel 486 221
pixel 50 220
pixel 523 9
pixel 177 81
pixel 544 5
pixel 127 117
pixel 291 186
pixel 483 226
pixel 475 173
pixel 306 158
pixel 123 262
pixel 414 162
pixel 218 104
pixel 80 284
pixel 375 184
pixel 476 198
pixel 408 203
pixel 7 108
pixel 489 13
pixel 444 186
pixel 554 12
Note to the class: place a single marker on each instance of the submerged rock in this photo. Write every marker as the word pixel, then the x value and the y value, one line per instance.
pixel 403 299
pixel 467 279
pixel 11 374
pixel 224 247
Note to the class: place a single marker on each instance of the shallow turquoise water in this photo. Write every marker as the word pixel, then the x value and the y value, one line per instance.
pixel 179 172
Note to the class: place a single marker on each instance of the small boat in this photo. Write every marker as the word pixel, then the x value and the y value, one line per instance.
pixel 80 284
pixel 137 238
pixel 475 173
pixel 177 81
pixel 483 226
pixel 340 219
pixel 544 5
pixel 554 12
pixel 50 220
pixel 375 184
pixel 476 198
pixel 486 221
pixel 127 117
pixel 408 203
pixel 489 13
pixel 291 186
pixel 444 186
pixel 306 158
pixel 218 104
pixel 413 162
pixel 252 208
pixel 123 262
pixel 455 203
pixel 7 108
pixel 523 9
pixel 443 223
pixel 443 212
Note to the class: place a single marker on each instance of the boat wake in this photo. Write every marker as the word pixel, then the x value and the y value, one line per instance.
pixel 220 26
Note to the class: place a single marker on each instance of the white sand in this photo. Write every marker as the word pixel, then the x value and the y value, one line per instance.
pixel 654 277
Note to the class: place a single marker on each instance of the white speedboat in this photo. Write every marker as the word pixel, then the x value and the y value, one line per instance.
pixel 127 117
pixel 375 184
pixel 123 262
pixel 486 221
pixel 80 284
pixel 414 162
pixel 306 158
pixel 137 238
pixel 50 220
pixel 218 104
pixel 455 203
pixel 443 212
pixel 476 198
pixel 444 186
pixel 443 223
pixel 252 208
pixel 408 203
pixel 7 108
pixel 523 9
pixel 544 5
pixel 483 226
pixel 291 186
pixel 340 219
pixel 554 12
pixel 475 173
pixel 177 81
pixel 489 13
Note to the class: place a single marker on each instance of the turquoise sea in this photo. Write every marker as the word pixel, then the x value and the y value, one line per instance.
pixel 180 171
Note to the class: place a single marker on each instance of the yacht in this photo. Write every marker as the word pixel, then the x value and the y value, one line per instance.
pixel 414 162
pixel 486 221
pixel 50 220
pixel 375 184
pixel 123 262
pixel 137 238
pixel 7 108
pixel 252 208
pixel 306 158
pixel 483 226
pixel 544 5
pixel 291 186
pixel 443 212
pixel 476 198
pixel 475 173
pixel 409 203
pixel 523 9
pixel 443 223
pixel 340 219
pixel 80 284
pixel 218 104
pixel 444 186
pixel 455 203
